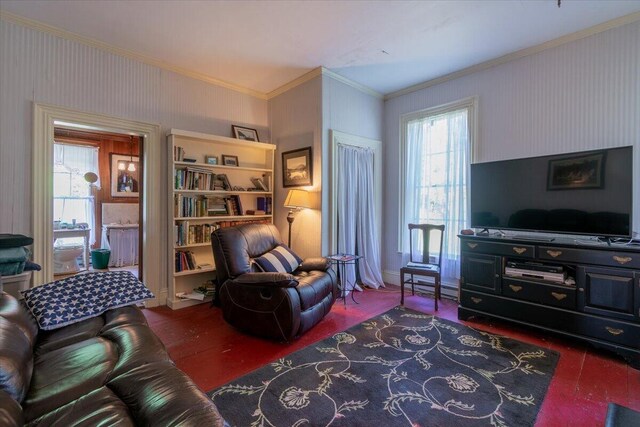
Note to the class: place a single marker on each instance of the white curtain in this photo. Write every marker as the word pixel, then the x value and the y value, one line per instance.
pixel 436 191
pixel 72 195
pixel 357 232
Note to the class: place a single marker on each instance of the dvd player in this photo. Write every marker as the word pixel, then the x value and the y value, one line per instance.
pixel 535 266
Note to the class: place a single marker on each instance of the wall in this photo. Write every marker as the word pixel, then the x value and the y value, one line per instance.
pixel 38 67
pixel 296 122
pixel 578 96
pixel 349 110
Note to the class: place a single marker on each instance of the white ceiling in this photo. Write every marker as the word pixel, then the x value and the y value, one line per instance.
pixel 262 45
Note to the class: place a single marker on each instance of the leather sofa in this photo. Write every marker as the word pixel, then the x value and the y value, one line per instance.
pixel 107 370
pixel 273 305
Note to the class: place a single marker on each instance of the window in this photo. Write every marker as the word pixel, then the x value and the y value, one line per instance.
pixel 72 198
pixel 436 154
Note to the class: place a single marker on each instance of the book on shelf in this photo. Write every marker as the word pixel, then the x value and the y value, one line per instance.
pixel 178 154
pixel 197 296
pixel 259 184
pixel 255 212
pixel 185 260
pixel 189 234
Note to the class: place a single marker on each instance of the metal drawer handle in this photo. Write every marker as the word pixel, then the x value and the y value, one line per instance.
pixel 555 254
pixel 622 259
pixel 515 288
pixel 519 251
pixel 613 331
pixel 472 245
pixel 476 300
pixel 558 296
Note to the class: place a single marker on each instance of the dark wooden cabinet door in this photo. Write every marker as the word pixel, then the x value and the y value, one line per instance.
pixel 481 272
pixel 611 292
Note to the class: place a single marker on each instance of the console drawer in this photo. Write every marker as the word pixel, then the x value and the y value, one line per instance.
pixel 544 293
pixel 616 331
pixel 584 256
pixel 505 249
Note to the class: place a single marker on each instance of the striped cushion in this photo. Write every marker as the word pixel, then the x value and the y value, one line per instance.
pixel 279 260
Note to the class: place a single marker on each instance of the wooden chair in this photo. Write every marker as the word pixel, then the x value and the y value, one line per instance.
pixel 422 266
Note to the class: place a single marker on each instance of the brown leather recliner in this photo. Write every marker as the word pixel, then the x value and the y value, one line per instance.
pixel 271 305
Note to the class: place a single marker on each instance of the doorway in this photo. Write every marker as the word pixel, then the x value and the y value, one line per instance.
pixel 153 233
pixel 97 191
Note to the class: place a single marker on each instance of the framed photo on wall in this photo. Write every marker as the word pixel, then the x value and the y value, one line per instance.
pixel 125 175
pixel 297 167
pixel 576 173
pixel 246 134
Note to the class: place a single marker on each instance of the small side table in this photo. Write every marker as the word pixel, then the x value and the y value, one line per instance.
pixel 341 261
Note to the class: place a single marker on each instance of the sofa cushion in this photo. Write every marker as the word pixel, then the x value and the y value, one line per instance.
pixel 63 375
pixel 83 296
pixel 101 407
pixel 16 360
pixel 280 259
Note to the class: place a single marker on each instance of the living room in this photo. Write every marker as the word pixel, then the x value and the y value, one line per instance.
pixel 571 89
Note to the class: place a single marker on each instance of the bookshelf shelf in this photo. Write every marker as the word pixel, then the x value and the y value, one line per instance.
pixel 199 188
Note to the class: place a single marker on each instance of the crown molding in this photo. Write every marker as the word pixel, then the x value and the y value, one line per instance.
pixel 88 41
pixel 608 25
pixel 295 82
pixel 362 88
pixel 321 71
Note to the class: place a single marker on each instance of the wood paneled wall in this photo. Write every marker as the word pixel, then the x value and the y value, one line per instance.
pixel 108 143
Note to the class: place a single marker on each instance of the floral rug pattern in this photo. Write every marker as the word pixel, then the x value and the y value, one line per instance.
pixel 403 368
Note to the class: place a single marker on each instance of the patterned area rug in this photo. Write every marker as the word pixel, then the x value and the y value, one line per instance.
pixel 403 368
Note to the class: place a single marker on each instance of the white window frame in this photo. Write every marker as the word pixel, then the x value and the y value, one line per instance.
pixel 471 104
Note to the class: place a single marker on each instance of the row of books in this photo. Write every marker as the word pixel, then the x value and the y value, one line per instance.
pixel 265 204
pixel 185 260
pixel 203 206
pixel 189 234
pixel 194 178
pixel 178 154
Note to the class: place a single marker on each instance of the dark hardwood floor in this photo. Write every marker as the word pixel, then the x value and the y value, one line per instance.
pixel 213 353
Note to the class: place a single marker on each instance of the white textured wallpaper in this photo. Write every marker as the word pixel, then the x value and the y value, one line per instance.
pixel 578 96
pixel 39 67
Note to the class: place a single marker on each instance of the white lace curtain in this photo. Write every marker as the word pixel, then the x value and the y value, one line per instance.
pixel 436 191
pixel 357 233
pixel 71 192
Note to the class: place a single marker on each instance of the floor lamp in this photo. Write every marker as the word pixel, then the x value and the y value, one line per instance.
pixel 296 200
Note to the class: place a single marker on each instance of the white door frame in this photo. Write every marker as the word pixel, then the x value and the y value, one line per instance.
pixel 341 138
pixel 45 117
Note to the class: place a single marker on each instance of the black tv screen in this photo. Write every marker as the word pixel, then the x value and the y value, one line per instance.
pixel 587 193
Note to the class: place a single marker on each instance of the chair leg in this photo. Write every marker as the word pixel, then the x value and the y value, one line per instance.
pixel 401 287
pixel 413 288
pixel 435 296
pixel 439 288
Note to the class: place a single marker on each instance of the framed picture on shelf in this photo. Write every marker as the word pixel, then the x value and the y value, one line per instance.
pixel 229 160
pixel 125 175
pixel 259 184
pixel 211 160
pixel 297 167
pixel 246 134
pixel 577 173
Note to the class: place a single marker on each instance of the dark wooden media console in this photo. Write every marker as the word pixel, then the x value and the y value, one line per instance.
pixel 602 307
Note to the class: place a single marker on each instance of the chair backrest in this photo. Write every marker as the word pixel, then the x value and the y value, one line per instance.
pixel 425 230
pixel 234 247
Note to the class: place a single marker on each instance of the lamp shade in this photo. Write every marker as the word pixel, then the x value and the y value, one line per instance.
pixel 297 199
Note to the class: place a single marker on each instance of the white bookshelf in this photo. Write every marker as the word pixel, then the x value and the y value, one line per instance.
pixel 255 160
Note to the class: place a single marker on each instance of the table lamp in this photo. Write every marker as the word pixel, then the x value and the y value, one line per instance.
pixel 296 200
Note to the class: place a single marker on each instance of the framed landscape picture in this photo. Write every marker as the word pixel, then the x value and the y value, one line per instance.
pixel 576 173
pixel 125 179
pixel 246 134
pixel 297 167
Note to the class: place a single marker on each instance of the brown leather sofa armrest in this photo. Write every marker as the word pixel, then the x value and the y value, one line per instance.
pixel 278 280
pixel 10 411
pixel 317 264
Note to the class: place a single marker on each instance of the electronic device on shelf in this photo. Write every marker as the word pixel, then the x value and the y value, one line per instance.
pixel 536 270
pixel 535 266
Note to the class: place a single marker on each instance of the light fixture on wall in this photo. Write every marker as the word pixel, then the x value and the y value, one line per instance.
pixel 132 167
pixel 296 200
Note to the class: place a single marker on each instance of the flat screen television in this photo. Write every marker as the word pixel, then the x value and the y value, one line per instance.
pixel 588 193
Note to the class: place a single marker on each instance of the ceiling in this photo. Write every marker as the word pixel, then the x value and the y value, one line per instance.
pixel 262 45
